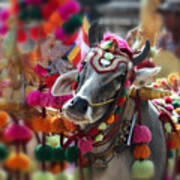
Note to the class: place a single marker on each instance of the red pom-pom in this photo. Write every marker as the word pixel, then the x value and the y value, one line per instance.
pixel 168 100
pixel 164 116
pixel 50 80
pixel 21 36
pixel 93 132
pixel 37 33
pixel 46 11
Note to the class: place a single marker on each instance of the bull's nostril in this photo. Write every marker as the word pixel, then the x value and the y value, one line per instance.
pixel 80 105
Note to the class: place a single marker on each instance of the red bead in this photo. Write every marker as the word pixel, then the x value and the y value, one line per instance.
pixel 93 132
pixel 121 101
pixel 168 100
pixel 74 85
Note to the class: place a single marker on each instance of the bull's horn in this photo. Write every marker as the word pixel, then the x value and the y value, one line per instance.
pixel 141 57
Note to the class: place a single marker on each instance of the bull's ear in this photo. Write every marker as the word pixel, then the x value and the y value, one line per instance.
pixel 96 33
pixel 145 74
pixel 63 84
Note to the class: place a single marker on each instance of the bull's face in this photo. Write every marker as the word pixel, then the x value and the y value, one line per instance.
pixel 100 81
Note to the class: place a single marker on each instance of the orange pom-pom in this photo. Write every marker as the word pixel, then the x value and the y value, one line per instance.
pixel 37 124
pixel 174 141
pixel 57 126
pixel 4 118
pixel 48 27
pixel 61 2
pixel 141 152
pixel 46 126
pixel 56 19
pixel 18 162
pixel 70 126
pixel 55 169
pixel 111 119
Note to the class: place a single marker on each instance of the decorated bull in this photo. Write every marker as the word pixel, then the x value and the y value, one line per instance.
pixel 118 127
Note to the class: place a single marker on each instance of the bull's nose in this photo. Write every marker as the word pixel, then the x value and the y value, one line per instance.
pixel 79 105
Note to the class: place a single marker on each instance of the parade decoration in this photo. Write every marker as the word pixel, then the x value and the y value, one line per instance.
pixel 33 112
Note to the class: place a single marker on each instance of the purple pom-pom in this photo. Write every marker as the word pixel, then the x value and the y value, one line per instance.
pixel 141 134
pixel 69 9
pixel 18 132
pixel 4 15
pixel 33 98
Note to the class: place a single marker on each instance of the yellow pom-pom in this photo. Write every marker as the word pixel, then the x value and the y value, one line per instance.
pixel 178 111
pixel 18 162
pixel 173 77
pixel 42 176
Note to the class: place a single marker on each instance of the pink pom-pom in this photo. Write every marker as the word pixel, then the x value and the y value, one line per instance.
pixel 156 102
pixel 127 84
pixel 4 15
pixel 3 29
pixel 28 1
pixel 33 98
pixel 44 99
pixel 85 145
pixel 60 34
pixel 68 9
pixel 80 67
pixel 18 132
pixel 169 107
pixel 141 134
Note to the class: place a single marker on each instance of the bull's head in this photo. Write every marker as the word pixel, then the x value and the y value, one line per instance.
pixel 105 70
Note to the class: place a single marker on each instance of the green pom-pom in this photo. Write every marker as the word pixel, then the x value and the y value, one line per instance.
pixel 44 153
pixel 176 103
pixel 170 154
pixel 58 154
pixel 118 110
pixel 22 4
pixel 3 152
pixel 42 176
pixel 77 77
pixel 61 176
pixel 73 24
pixel 3 175
pixel 168 127
pixel 124 92
pixel 71 154
pixel 35 13
pixel 143 169
pixel 23 14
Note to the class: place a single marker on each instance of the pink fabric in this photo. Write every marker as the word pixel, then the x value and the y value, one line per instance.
pixel 141 134
pixel 69 9
pixel 33 98
pixel 121 42
pixel 18 132
pixel 85 145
